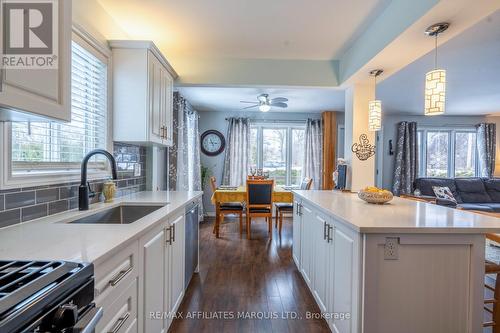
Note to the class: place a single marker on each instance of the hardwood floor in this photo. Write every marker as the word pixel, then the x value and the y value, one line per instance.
pixel 247 277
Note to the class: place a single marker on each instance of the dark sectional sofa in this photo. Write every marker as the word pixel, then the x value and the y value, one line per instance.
pixel 481 194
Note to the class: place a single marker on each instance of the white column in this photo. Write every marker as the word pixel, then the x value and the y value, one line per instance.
pixel 359 173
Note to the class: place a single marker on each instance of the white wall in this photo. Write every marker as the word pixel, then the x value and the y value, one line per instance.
pixel 390 124
pixel 216 120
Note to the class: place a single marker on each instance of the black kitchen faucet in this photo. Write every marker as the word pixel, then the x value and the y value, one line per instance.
pixel 83 190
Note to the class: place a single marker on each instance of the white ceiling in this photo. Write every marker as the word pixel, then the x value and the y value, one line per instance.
pixel 228 99
pixel 472 62
pixel 277 29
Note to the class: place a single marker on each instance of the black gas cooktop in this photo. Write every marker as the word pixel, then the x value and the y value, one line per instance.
pixel 46 296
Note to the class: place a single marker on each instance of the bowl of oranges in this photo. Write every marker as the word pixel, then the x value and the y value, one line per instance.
pixel 375 195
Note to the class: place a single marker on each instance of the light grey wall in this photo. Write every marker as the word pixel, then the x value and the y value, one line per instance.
pixel 215 120
pixel 390 124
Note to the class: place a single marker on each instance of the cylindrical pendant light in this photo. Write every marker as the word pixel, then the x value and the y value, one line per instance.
pixel 375 107
pixel 435 80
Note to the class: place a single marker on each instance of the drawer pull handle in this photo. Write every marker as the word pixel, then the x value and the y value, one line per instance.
pixel 119 323
pixel 329 236
pixel 115 280
pixel 169 231
pixel 173 231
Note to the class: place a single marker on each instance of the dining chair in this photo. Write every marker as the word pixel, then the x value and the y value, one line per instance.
pixel 287 207
pixel 225 208
pixel 260 203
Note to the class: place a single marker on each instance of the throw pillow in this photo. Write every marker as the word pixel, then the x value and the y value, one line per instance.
pixel 443 192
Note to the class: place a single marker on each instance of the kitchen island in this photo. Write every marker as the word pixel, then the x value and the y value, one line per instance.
pixel 406 266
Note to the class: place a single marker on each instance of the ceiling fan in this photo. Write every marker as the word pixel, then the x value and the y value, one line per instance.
pixel 265 103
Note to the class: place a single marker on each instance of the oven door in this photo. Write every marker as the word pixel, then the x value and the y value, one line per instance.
pixel 88 322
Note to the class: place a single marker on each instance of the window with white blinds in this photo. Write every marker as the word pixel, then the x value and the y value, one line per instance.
pixel 57 146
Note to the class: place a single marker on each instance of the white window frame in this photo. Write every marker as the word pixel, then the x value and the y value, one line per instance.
pixel 451 149
pixel 9 181
pixel 289 126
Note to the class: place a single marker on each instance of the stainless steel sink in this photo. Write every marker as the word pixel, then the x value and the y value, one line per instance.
pixel 124 214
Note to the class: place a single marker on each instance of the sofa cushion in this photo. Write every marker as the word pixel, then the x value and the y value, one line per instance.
pixel 425 186
pixel 472 190
pixel 476 206
pixel 493 188
pixel 494 206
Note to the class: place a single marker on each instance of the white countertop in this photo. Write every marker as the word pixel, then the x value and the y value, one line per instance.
pixel 50 238
pixel 398 216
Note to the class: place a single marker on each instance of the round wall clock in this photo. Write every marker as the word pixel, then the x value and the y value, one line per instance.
pixel 212 143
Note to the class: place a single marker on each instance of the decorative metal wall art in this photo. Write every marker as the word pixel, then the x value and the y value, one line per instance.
pixel 363 150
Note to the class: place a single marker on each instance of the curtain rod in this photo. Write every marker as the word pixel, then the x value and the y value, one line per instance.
pixel 275 120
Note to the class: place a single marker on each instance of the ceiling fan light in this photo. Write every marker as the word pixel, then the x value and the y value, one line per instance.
pixel 435 92
pixel 375 115
pixel 264 107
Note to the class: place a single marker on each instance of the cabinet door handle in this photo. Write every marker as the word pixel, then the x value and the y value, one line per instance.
pixel 116 279
pixel 173 232
pixel 119 323
pixel 325 227
pixel 329 236
pixel 169 231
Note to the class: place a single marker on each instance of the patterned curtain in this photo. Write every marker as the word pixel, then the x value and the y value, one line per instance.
pixel 406 168
pixel 486 145
pixel 313 152
pixel 178 108
pixel 236 160
pixel 185 165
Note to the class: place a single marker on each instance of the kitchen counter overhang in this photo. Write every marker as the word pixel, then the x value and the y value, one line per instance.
pixel 398 216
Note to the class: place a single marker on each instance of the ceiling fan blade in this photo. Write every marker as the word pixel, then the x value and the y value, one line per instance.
pixel 279 99
pixel 279 104
pixel 249 102
pixel 251 106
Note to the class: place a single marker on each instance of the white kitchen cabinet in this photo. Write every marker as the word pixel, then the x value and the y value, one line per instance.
pixel 307 243
pixel 344 288
pixel 176 271
pixel 321 259
pixel 329 253
pixel 154 250
pixel 296 223
pixel 142 94
pixel 162 254
pixel 121 315
pixel 33 94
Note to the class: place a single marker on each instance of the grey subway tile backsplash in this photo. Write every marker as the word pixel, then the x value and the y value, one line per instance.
pixel 58 206
pixel 19 199
pixel 68 192
pixel 10 217
pixel 28 203
pixel 34 212
pixel 47 195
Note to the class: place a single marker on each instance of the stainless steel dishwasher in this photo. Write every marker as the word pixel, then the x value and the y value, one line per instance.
pixel 192 241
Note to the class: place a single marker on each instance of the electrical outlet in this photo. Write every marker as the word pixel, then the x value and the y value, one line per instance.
pixel 391 248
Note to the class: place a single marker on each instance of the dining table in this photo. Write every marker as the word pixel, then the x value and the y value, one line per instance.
pixel 239 194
